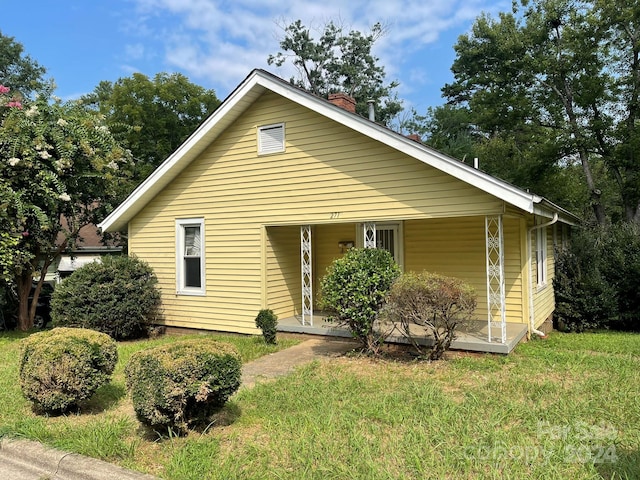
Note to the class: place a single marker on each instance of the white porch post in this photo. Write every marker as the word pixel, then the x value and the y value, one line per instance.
pixel 496 302
pixel 369 235
pixel 307 278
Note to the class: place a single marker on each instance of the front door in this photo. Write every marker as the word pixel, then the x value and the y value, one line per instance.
pixel 389 238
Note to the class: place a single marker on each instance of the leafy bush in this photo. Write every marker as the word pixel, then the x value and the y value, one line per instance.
pixel 354 291
pixel 177 385
pixel 267 322
pixel 584 299
pixel 64 366
pixel 597 280
pixel 435 303
pixel 117 296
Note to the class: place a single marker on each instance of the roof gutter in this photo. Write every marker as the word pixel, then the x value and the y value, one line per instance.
pixel 567 216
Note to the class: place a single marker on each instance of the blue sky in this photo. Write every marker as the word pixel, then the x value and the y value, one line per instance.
pixel 216 43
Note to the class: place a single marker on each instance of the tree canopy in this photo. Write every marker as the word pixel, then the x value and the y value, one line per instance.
pixel 152 117
pixel 339 62
pixel 556 84
pixel 18 71
pixel 56 159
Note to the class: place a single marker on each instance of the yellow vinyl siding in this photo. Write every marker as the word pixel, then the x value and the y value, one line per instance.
pixel 232 274
pixel 328 174
pixel 543 296
pixel 325 249
pixel 284 287
pixel 456 247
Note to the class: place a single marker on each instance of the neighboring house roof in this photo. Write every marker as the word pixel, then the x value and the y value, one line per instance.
pixel 89 239
pixel 260 81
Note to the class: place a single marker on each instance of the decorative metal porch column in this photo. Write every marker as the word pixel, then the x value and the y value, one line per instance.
pixel 496 302
pixel 370 235
pixel 307 278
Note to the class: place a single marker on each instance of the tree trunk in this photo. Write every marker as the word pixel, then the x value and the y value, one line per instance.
pixel 594 193
pixel 632 213
pixel 25 319
pixel 598 209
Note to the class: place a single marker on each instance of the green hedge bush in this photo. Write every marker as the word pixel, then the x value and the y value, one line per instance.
pixel 597 280
pixel 64 366
pixel 432 304
pixel 177 385
pixel 117 296
pixel 267 321
pixel 354 290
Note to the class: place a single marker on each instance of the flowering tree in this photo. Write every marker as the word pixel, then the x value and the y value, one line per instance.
pixel 56 160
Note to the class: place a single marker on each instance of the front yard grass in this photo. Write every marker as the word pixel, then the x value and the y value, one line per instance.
pixel 565 407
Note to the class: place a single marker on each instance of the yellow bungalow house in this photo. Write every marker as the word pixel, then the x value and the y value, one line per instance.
pixel 276 183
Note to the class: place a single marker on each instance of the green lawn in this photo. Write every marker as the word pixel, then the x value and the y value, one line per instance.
pixel 565 407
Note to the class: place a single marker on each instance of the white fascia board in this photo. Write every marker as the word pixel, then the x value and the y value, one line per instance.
pixel 179 159
pixel 253 86
pixel 425 154
pixel 511 194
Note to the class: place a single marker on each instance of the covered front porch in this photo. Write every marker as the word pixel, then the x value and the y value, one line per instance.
pixel 471 337
pixel 484 251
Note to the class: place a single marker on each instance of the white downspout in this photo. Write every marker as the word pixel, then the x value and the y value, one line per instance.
pixel 531 307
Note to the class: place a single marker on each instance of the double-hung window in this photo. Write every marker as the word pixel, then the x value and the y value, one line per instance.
pixel 190 266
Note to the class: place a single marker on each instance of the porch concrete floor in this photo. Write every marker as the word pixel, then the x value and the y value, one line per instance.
pixel 472 337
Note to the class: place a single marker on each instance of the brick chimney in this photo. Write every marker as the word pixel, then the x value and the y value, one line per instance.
pixel 415 137
pixel 344 101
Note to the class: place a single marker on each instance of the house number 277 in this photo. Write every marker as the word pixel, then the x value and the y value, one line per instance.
pixel 335 215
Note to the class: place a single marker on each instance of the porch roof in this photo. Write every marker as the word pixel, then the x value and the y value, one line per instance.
pixel 257 83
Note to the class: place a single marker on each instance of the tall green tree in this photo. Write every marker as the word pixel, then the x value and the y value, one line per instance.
pixel 19 71
pixel 339 62
pixel 152 117
pixel 56 159
pixel 447 128
pixel 617 27
pixel 565 74
pixel 521 154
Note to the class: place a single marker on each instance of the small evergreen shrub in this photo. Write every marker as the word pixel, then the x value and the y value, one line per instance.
pixel 117 296
pixel 62 367
pixel 267 321
pixel 436 304
pixel 354 290
pixel 177 385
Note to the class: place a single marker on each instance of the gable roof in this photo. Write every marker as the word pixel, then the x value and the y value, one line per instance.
pixel 259 82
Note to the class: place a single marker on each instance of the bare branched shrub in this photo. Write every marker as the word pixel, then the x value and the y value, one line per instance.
pixel 429 304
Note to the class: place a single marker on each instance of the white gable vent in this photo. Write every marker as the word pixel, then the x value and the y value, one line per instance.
pixel 271 138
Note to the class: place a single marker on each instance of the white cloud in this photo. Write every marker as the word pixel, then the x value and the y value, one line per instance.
pixel 134 51
pixel 220 42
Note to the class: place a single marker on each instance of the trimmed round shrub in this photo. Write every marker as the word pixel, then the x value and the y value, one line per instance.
pixel 117 296
pixel 177 385
pixel 267 321
pixel 62 367
pixel 354 291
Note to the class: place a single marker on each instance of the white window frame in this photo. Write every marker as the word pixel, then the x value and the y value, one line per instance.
pixel 541 257
pixel 181 288
pixel 397 227
pixel 272 147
